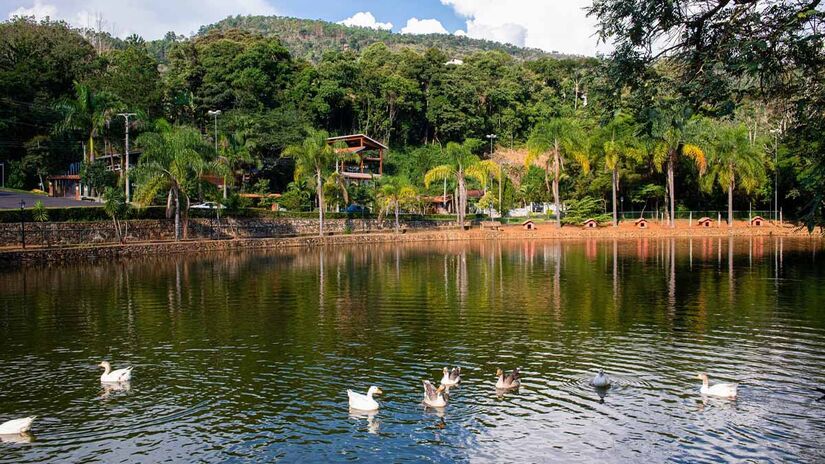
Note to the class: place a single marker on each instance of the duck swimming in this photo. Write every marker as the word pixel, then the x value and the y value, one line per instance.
pixel 722 390
pixel 115 376
pixel 451 378
pixel 509 382
pixel 601 380
pixel 364 402
pixel 435 397
pixel 17 426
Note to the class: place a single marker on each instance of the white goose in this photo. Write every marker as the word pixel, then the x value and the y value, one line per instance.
pixel 17 426
pixel 364 402
pixel 116 376
pixel 601 380
pixel 723 390
pixel 435 397
pixel 451 378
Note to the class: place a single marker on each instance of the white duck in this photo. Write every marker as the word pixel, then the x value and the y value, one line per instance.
pixel 435 397
pixel 17 426
pixel 723 390
pixel 508 383
pixel 601 380
pixel 364 402
pixel 116 376
pixel 451 378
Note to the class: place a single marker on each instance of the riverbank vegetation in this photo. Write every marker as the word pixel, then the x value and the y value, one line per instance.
pixel 700 107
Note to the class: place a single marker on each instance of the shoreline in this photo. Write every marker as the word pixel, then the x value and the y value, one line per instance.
pixel 92 252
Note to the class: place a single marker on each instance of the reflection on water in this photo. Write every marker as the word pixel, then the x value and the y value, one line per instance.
pixel 248 356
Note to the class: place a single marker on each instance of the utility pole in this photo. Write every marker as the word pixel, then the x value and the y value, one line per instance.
pixel 217 113
pixel 776 133
pixel 492 137
pixel 3 167
pixel 125 168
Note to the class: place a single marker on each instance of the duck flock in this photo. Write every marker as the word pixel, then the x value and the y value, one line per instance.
pixel 439 397
pixel 434 397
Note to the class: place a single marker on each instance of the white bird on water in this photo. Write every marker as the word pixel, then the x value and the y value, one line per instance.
pixel 451 378
pixel 601 380
pixel 116 376
pixel 435 397
pixel 364 402
pixel 17 426
pixel 722 390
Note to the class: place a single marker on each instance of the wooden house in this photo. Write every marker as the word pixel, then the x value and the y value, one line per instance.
pixel 705 222
pixel 590 224
pixel 528 225
pixel 641 223
pixel 757 221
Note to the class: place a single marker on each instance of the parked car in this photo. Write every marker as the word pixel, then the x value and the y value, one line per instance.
pixel 207 205
pixel 357 209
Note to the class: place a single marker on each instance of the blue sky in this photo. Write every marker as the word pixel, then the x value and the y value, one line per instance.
pixel 552 25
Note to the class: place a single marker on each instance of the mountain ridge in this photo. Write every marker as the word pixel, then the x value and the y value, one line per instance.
pixel 309 39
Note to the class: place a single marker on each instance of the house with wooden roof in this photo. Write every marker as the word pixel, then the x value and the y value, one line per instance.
pixel 368 159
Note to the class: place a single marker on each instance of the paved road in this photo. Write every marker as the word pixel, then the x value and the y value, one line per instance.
pixel 11 200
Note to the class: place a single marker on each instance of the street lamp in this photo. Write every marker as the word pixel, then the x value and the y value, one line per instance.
pixel 493 137
pixel 217 113
pixel 776 132
pixel 3 176
pixel 22 223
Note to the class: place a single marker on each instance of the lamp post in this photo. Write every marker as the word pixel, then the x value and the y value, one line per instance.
pixel 3 176
pixel 126 116
pixel 215 114
pixel 492 137
pixel 776 133
pixel 22 223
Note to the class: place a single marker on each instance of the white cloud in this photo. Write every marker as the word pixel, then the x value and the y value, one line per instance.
pixel 551 25
pixel 148 18
pixel 423 26
pixel 39 10
pixel 365 19
pixel 460 33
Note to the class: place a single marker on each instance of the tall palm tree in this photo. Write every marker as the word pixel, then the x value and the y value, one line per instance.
pixel 550 143
pixel 734 160
pixel 395 193
pixel 174 160
pixel 313 157
pixel 675 135
pixel 619 146
pixel 88 112
pixel 462 164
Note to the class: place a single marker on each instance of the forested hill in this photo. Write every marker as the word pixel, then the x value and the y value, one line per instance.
pixel 310 39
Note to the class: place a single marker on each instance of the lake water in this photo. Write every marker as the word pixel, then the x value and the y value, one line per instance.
pixel 246 357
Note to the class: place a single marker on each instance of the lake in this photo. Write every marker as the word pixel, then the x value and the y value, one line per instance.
pixel 247 357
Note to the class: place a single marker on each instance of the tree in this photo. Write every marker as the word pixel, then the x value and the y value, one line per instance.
pixel 88 112
pixel 115 206
pixel 174 160
pixel 462 164
pixel 41 215
pixel 395 193
pixel 619 146
pixel 552 142
pixel 735 160
pixel 673 134
pixel 313 158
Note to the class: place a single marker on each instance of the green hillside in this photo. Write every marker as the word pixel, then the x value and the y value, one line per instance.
pixel 310 39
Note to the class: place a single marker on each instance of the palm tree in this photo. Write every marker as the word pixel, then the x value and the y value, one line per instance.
pixel 174 160
pixel 88 112
pixel 233 152
pixel 552 142
pixel 463 164
pixel 674 135
pixel 734 160
pixel 395 193
pixel 313 157
pixel 619 147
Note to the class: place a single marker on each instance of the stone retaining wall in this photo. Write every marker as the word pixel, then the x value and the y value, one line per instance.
pixel 101 232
